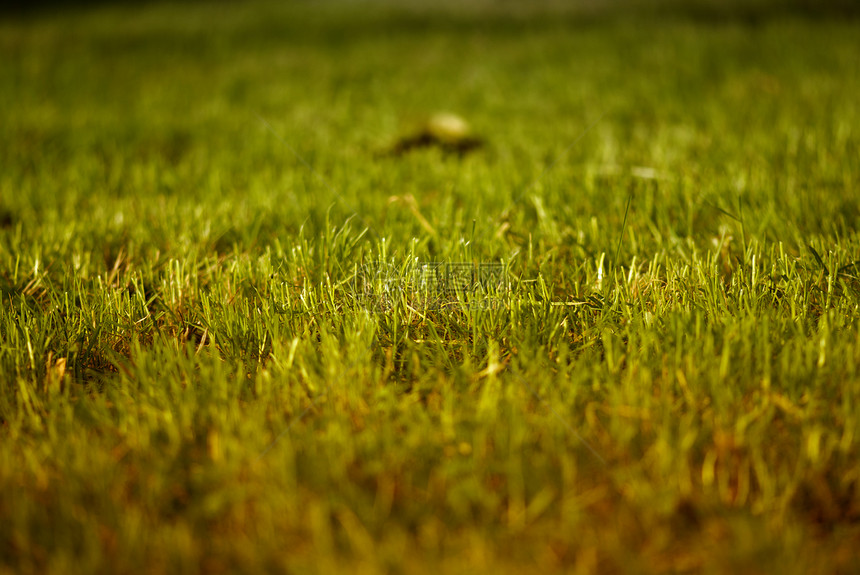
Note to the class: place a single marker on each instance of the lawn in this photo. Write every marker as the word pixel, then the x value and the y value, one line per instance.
pixel 245 328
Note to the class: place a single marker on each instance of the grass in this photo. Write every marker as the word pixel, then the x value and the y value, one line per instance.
pixel 191 379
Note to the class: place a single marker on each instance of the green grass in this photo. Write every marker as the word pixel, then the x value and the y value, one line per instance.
pixel 191 380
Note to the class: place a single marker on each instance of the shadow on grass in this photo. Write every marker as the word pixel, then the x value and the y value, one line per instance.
pixel 716 11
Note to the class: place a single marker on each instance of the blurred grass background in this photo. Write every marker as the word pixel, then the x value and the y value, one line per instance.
pixel 188 383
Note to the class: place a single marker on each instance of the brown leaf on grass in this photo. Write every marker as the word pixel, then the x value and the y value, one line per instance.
pixel 55 371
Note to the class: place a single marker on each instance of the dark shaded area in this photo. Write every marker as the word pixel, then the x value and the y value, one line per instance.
pixel 426 139
pixel 27 6
pixel 745 11
pixel 7 218
pixel 35 7
pixel 22 7
pixel 751 11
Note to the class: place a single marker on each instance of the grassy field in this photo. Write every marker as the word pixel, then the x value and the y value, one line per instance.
pixel 215 355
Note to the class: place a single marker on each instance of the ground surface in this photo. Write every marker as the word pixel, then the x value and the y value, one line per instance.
pixel 219 354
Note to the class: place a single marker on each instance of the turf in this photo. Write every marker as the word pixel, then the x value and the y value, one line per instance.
pixel 218 354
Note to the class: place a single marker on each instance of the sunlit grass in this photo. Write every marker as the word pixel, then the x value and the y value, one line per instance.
pixel 191 380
